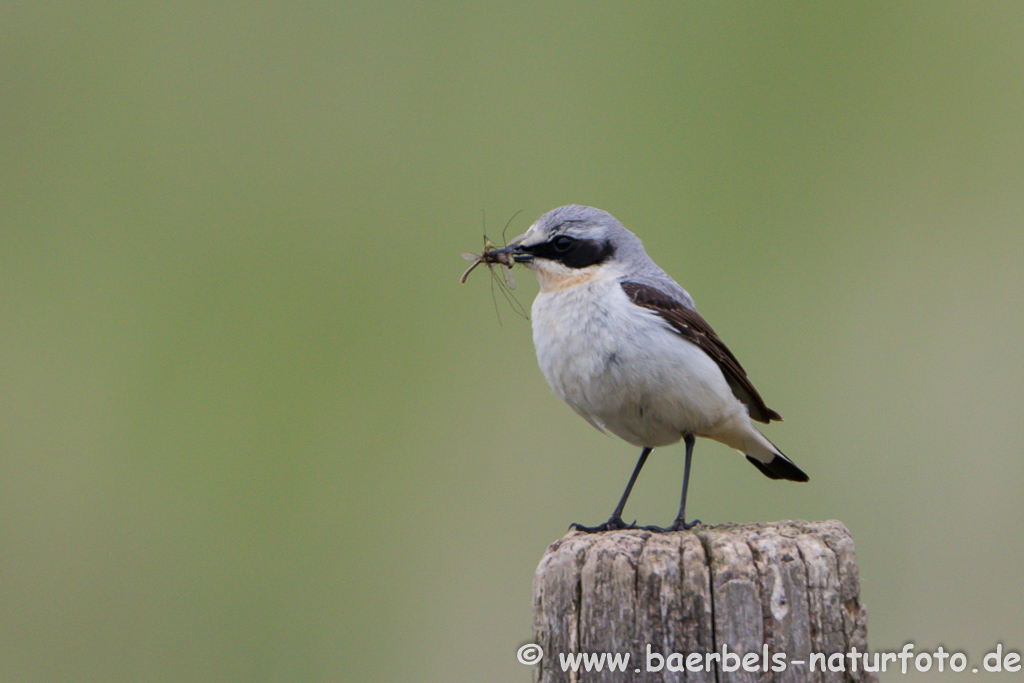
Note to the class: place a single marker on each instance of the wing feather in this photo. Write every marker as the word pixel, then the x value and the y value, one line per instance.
pixel 690 326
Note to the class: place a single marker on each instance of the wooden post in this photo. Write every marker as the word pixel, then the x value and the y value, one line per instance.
pixel 758 590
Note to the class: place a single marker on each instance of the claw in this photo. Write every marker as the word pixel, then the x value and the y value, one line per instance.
pixel 613 524
pixel 678 525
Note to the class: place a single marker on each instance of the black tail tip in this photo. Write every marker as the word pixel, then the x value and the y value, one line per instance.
pixel 779 468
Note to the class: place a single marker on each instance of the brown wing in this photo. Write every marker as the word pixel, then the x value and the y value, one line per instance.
pixel 695 329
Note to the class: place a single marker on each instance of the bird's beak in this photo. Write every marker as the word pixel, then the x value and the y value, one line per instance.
pixel 515 250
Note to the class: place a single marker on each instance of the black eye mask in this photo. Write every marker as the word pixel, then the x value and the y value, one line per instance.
pixel 572 252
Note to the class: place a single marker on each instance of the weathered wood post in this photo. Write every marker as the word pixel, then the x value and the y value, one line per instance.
pixel 777 597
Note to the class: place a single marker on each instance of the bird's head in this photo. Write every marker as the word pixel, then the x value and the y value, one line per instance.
pixel 573 244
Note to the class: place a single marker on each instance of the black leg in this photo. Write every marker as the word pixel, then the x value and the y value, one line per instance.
pixel 681 517
pixel 615 521
pixel 681 522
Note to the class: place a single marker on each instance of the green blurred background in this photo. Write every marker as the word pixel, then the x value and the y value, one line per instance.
pixel 254 430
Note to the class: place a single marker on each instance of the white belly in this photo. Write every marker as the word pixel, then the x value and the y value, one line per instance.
pixel 623 369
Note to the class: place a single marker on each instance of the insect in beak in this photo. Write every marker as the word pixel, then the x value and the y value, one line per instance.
pixel 491 257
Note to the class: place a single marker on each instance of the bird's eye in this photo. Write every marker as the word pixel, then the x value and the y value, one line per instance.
pixel 563 244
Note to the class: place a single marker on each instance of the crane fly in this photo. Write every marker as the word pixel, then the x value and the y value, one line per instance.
pixel 488 257
pixel 491 258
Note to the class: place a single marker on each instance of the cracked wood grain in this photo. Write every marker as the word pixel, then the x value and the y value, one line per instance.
pixel 784 587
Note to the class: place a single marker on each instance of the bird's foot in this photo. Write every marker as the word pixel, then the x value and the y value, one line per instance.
pixel 678 525
pixel 613 524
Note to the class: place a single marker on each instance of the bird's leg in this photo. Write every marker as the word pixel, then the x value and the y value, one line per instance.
pixel 681 517
pixel 615 521
pixel 681 522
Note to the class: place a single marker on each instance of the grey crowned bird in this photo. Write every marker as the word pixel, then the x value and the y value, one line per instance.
pixel 622 343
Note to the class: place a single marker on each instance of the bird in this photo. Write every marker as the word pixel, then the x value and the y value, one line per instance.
pixel 622 344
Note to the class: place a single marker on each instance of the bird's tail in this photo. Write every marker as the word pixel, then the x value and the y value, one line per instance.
pixel 763 455
pixel 737 432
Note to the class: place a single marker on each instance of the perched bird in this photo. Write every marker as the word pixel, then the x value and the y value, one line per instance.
pixel 622 343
